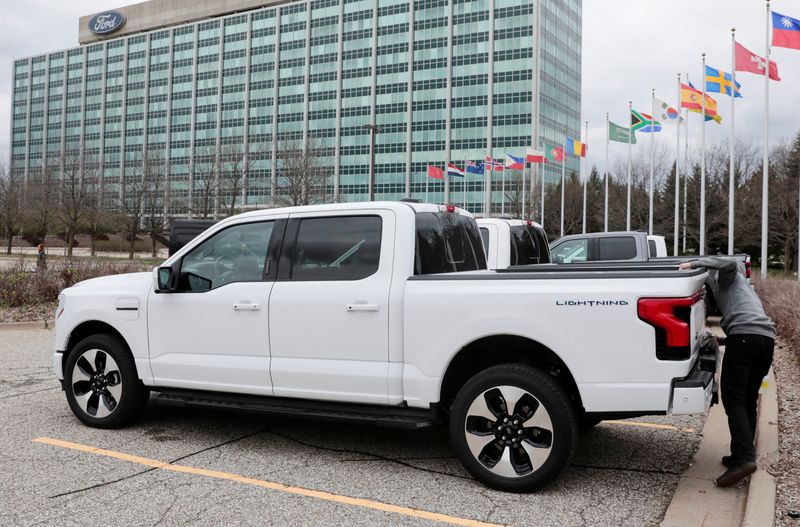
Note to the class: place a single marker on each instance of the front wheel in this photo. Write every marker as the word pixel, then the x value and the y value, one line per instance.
pixel 101 384
pixel 513 427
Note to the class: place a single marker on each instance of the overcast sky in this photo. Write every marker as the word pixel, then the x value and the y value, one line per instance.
pixel 629 47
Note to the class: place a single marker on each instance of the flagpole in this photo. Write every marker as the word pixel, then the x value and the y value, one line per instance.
pixel 585 179
pixel 685 174
pixel 652 158
pixel 524 169
pixel 765 171
pixel 605 214
pixel 630 138
pixel 465 184
pixel 677 176
pixel 541 176
pixel 731 182
pixel 427 180
pixel 563 177
pixel 702 248
pixel 503 192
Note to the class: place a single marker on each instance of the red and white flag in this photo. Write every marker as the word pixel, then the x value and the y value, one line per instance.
pixel 491 164
pixel 746 60
pixel 534 156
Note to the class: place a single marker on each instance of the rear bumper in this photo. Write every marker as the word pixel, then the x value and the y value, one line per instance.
pixel 696 392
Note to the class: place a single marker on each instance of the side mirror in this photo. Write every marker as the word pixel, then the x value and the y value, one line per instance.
pixel 164 280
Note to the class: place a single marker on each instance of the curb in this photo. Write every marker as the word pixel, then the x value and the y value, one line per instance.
pixel 760 505
pixel 39 324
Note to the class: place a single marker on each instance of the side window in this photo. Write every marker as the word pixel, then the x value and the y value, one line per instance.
pixel 523 247
pixel 616 248
pixel 651 244
pixel 571 251
pixel 340 248
pixel 235 254
pixel 485 239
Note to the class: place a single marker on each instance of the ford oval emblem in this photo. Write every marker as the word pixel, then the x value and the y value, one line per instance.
pixel 105 23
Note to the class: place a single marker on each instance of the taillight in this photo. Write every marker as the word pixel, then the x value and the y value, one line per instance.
pixel 447 208
pixel 671 317
pixel 747 265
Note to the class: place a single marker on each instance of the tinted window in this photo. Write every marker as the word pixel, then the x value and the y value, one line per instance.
pixel 524 249
pixel 485 239
pixel 447 243
pixel 651 244
pixel 235 254
pixel 571 251
pixel 616 248
pixel 340 248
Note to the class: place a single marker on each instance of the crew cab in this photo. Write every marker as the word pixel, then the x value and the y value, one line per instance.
pixel 384 313
pixel 607 246
pixel 510 242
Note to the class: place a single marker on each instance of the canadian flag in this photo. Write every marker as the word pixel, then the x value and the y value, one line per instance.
pixel 746 60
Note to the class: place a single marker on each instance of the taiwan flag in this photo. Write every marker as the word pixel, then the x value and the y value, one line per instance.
pixel 785 31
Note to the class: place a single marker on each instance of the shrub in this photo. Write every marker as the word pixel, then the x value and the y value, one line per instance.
pixel 19 287
pixel 781 299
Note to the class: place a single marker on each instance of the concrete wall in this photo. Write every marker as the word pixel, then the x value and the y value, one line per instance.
pixel 156 14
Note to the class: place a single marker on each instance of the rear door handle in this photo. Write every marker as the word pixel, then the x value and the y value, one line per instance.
pixel 363 307
pixel 246 307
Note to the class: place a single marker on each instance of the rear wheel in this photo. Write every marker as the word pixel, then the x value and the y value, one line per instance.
pixel 513 427
pixel 101 384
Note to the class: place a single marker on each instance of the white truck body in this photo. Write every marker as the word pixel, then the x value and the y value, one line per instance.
pixel 395 338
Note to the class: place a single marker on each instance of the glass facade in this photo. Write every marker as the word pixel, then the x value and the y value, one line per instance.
pixel 444 80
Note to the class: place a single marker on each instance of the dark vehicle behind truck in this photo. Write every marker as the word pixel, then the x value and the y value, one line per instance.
pixel 184 231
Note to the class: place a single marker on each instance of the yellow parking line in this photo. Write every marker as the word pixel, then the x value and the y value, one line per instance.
pixel 651 425
pixel 280 487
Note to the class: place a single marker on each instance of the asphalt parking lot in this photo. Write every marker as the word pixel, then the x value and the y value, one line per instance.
pixel 192 467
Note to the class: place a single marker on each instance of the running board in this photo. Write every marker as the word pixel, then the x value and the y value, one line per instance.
pixel 384 416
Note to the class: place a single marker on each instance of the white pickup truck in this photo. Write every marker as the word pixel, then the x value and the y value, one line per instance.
pixel 510 242
pixel 383 313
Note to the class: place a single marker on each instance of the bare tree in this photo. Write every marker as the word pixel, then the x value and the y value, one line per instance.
pixel 513 196
pixel 234 168
pixel 72 194
pixel 141 202
pixel 303 170
pixel 204 182
pixel 41 202
pixel 96 219
pixel 10 206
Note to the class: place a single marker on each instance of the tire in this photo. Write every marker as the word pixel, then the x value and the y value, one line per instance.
pixel 102 386
pixel 501 451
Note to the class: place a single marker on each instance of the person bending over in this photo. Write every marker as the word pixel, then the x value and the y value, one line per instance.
pixel 749 344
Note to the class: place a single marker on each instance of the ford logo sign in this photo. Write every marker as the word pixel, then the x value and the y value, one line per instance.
pixel 107 22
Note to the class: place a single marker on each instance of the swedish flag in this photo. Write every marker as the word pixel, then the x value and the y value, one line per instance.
pixel 717 81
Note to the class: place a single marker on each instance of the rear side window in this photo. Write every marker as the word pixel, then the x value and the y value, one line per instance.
pixel 651 244
pixel 447 243
pixel 485 239
pixel 339 248
pixel 524 247
pixel 616 248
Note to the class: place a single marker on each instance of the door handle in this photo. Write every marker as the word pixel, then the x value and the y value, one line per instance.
pixel 362 307
pixel 246 307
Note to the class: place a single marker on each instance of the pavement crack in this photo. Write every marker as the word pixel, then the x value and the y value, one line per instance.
pixel 629 469
pixel 374 456
pixel 171 462
pixel 29 393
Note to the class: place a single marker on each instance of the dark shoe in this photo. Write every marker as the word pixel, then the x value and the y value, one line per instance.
pixel 736 474
pixel 727 461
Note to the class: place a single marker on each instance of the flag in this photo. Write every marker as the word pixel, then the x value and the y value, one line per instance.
pixel 641 122
pixel 691 98
pixel 575 147
pixel 718 81
pixel 746 60
pixel 554 154
pixel 666 113
pixel 474 167
pixel 435 172
pixel 785 31
pixel 514 163
pixel 454 171
pixel 534 156
pixel 620 134
pixel 492 165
